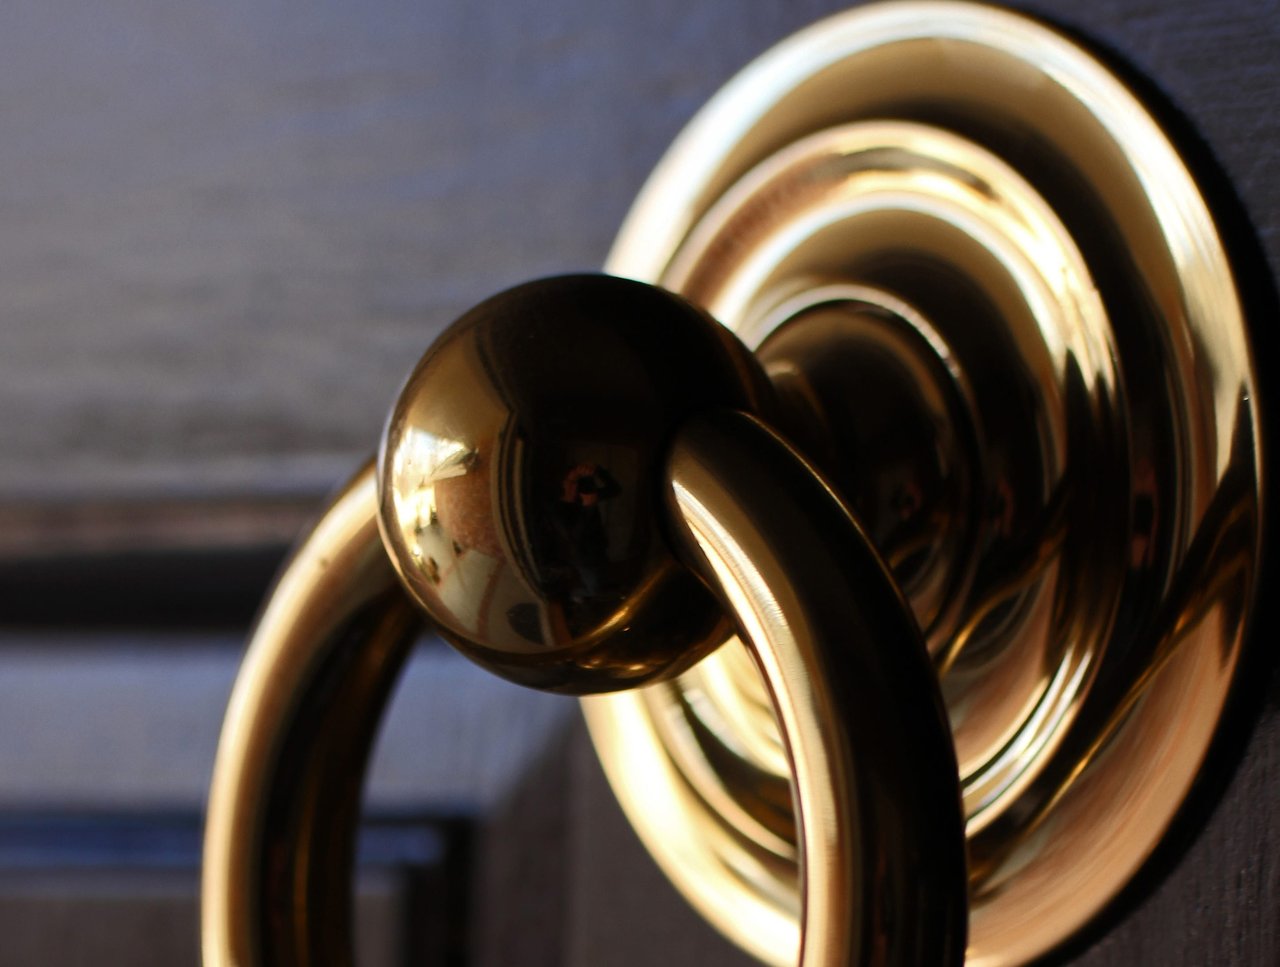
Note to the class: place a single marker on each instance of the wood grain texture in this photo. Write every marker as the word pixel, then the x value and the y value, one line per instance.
pixel 227 231
pixel 230 229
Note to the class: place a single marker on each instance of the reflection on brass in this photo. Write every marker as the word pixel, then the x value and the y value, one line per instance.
pixel 1000 319
pixel 280 826
pixel 517 480
pixel 569 373
pixel 879 811
pixel 1030 386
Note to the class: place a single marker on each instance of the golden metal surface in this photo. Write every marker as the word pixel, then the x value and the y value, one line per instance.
pixel 878 810
pixel 1035 389
pixel 996 314
pixel 516 396
pixel 280 824
pixel 517 480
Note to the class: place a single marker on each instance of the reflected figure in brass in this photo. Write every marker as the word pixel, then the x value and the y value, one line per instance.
pixel 519 477
pixel 585 456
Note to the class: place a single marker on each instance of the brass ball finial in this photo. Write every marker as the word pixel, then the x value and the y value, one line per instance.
pixel 520 480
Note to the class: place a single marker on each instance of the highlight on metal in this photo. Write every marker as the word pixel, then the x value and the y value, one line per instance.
pixel 910 459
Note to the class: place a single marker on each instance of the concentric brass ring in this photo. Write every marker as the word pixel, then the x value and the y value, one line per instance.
pixel 1068 477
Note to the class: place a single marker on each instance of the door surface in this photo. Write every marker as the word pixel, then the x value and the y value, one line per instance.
pixel 227 231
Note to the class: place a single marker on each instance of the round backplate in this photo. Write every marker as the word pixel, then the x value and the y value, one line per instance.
pixel 1002 322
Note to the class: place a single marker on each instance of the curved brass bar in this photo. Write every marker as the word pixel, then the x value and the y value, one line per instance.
pixel 280 828
pixel 875 779
pixel 1086 561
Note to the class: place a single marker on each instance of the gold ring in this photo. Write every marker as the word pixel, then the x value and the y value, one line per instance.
pixel 880 821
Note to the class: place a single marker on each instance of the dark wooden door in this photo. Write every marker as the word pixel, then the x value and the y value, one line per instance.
pixel 226 232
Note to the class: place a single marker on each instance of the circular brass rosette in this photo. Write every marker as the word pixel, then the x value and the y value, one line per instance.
pixel 952 228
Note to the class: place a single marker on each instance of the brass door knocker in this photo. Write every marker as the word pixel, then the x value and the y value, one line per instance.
pixel 983 322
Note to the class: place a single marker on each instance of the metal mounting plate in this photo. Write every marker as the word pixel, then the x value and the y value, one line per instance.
pixel 977 204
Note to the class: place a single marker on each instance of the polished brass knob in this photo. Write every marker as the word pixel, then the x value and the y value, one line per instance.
pixel 518 479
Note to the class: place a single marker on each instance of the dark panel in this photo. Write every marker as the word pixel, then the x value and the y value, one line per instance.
pixel 228 230
pixel 525 862
pixel 124 889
